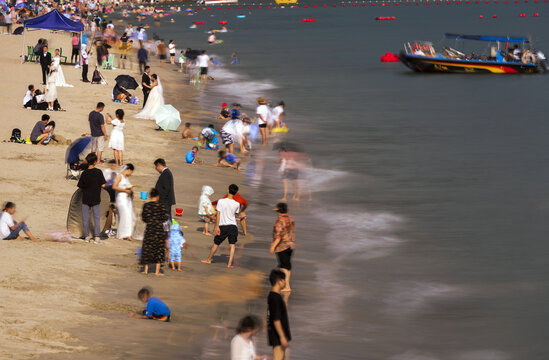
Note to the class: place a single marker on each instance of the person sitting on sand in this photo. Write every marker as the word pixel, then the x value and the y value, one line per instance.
pixel 155 308
pixel 224 114
pixel 120 94
pixel 206 211
pixel 38 102
pixel 27 100
pixel 228 160
pixel 191 156
pixel 9 228
pixel 50 128
pixel 208 138
pixel 186 134
pixel 39 132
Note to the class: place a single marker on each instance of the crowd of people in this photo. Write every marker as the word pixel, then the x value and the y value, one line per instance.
pixel 163 239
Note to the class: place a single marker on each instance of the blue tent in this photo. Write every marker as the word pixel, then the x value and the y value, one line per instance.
pixel 54 20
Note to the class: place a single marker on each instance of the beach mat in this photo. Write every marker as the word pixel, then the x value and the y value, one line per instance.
pixel 74 217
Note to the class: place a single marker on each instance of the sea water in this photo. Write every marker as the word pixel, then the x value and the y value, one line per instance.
pixel 426 236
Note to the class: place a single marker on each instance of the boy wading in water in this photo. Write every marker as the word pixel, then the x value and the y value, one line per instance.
pixel 154 307
pixel 225 225
pixel 278 326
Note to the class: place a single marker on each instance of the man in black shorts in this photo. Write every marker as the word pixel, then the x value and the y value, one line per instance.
pixel 225 225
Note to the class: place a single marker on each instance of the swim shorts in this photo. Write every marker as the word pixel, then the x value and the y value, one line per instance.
pixel 226 137
pixel 262 125
pixel 291 174
pixel 227 231
pixel 204 70
pixel 284 258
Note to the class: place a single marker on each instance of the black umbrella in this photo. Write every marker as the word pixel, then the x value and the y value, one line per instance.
pixel 127 82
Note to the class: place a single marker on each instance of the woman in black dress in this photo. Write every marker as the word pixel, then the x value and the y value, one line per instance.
pixel 154 242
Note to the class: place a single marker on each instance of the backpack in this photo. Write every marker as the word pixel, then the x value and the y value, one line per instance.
pixel 96 77
pixel 16 136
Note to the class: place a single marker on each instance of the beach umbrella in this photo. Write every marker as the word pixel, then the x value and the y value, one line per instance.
pixel 127 82
pixel 77 148
pixel 167 117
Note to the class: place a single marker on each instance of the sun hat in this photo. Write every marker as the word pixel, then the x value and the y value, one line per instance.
pixel 261 100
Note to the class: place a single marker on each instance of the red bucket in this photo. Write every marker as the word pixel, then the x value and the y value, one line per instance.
pixel 178 211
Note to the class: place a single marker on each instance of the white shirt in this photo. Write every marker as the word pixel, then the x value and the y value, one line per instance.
pixel 262 110
pixel 241 349
pixel 227 208
pixel 203 60
pixel 172 48
pixel 5 222
pixel 28 97
pixel 276 113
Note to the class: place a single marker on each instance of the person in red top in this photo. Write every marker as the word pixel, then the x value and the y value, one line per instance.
pixel 243 205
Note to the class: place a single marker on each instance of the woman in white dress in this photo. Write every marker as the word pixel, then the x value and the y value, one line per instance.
pixel 124 204
pixel 156 98
pixel 56 65
pixel 116 140
pixel 51 90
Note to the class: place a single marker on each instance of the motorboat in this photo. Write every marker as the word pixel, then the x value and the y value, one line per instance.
pixel 496 55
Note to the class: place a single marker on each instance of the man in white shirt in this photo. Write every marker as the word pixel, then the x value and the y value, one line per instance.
pixel 27 100
pixel 225 226
pixel 9 228
pixel 203 60
pixel 263 118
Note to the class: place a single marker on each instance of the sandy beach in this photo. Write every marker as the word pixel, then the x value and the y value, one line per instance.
pixel 75 297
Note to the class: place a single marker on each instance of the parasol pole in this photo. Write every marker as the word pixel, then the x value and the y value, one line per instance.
pixel 23 47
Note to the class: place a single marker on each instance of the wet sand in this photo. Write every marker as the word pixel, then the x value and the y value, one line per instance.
pixel 75 297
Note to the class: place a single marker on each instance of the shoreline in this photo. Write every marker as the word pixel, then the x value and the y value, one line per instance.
pixel 108 282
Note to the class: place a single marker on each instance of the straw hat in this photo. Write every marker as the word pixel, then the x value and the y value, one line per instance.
pixel 261 100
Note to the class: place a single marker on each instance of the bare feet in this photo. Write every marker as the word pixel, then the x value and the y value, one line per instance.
pixel 207 234
pixel 159 274
pixel 230 266
pixel 179 270
pixel 206 261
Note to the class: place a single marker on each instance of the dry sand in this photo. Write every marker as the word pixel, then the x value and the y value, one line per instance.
pixel 61 297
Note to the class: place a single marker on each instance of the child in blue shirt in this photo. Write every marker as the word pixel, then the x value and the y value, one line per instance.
pixel 154 307
pixel 191 156
pixel 228 159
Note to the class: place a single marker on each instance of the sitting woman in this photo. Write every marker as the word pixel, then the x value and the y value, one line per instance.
pixel 9 228
pixel 120 94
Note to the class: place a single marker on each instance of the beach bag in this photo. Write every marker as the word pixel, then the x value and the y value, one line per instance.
pixel 16 136
pixel 96 78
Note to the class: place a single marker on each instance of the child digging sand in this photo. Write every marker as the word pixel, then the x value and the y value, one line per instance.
pixel 176 242
pixel 155 308
pixel 191 156
pixel 228 160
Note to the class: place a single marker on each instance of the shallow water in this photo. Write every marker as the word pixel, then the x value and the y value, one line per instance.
pixel 425 238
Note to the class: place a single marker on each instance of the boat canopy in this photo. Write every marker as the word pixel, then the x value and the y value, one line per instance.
pixel 487 38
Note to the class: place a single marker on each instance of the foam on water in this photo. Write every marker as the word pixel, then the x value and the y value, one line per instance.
pixel 408 298
pixel 240 88
pixel 359 234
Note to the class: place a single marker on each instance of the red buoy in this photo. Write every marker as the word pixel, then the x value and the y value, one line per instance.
pixel 203 23
pixel 481 17
pixel 494 16
pixel 536 15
